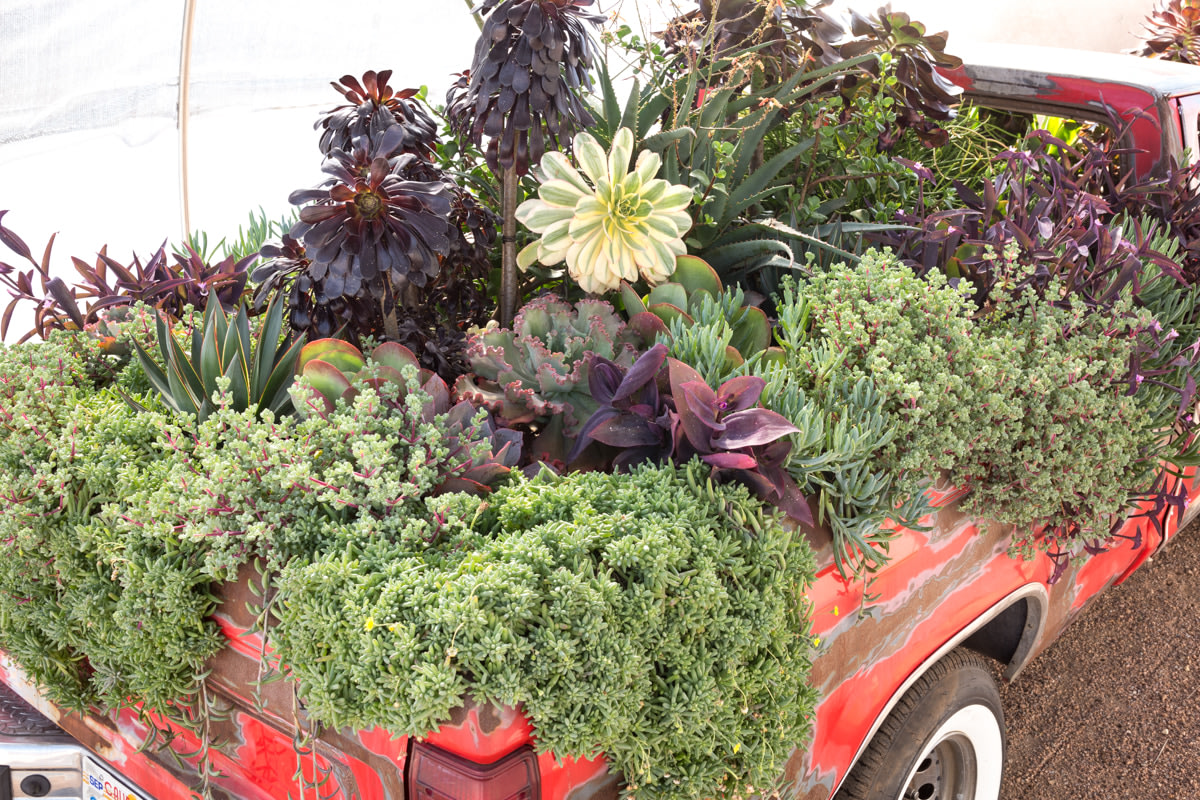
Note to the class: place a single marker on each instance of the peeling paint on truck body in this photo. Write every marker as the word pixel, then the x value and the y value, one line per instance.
pixel 949 584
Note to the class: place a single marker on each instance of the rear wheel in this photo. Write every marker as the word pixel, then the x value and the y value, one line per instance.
pixel 944 740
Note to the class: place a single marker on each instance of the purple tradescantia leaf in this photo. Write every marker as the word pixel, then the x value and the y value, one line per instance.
pixel 602 415
pixel 738 394
pixel 753 427
pixel 627 431
pixel 701 402
pixel 642 372
pixel 730 460
pixel 603 379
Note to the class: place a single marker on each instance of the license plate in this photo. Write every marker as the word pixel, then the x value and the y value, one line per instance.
pixel 100 784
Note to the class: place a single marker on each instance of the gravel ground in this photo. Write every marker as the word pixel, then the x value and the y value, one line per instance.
pixel 1112 710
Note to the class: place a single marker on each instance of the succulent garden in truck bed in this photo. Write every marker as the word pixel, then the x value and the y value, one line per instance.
pixel 738 308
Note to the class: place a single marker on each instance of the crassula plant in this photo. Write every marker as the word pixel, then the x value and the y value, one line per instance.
pixel 334 372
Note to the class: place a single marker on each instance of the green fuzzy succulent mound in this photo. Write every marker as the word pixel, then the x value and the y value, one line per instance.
pixel 1025 403
pixel 630 615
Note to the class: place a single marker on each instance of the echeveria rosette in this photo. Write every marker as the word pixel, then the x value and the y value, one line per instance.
pixel 610 223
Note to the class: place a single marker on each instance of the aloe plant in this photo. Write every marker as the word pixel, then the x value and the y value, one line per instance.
pixel 259 371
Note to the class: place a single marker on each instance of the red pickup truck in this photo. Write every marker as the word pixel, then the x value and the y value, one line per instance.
pixel 908 704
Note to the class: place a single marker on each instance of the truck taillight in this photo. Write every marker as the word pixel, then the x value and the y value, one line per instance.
pixel 434 774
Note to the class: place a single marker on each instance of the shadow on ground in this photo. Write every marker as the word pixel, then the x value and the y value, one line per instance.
pixel 1112 710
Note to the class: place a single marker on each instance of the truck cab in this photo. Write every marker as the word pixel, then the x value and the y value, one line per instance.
pixel 903 660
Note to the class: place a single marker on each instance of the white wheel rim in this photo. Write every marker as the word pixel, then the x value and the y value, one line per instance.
pixel 972 739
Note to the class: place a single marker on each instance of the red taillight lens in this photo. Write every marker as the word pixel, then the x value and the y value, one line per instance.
pixel 434 774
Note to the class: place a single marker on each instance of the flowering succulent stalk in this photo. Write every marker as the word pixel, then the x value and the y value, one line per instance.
pixel 612 225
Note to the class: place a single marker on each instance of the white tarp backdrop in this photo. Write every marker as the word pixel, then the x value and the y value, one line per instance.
pixel 90 89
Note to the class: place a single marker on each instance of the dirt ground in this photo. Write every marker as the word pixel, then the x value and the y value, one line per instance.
pixel 1112 710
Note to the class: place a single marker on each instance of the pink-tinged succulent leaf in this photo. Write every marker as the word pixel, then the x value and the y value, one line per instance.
pixel 439 398
pixel 733 359
pixel 773 355
pixel 695 274
pixel 730 460
pixel 335 352
pixel 752 334
pixel 394 355
pixel 751 428
pixel 668 313
pixel 634 304
pixel 327 379
pixel 671 294
pixel 648 325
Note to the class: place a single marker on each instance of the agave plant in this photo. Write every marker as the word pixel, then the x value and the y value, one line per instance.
pixel 611 226
pixel 373 108
pixel 259 372
pixel 1172 32
pixel 336 370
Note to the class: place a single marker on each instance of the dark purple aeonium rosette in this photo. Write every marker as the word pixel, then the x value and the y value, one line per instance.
pixel 371 227
pixel 521 92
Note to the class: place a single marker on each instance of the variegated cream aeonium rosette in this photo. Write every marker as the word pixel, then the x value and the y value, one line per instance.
pixel 611 225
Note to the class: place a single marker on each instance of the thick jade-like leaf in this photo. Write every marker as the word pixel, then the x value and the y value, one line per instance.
pixel 394 355
pixel 670 293
pixel 752 334
pixel 633 302
pixel 695 275
pixel 648 325
pixel 334 352
pixel 668 313
pixel 327 379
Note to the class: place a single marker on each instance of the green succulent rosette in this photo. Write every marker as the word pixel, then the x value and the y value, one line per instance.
pixel 609 223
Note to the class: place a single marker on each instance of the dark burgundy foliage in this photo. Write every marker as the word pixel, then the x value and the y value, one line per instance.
pixel 166 283
pixel 370 226
pixel 374 108
pixel 784 37
pixel 530 62
pixel 391 248
pixel 1172 32
pixel 1055 202
pixel 923 96
pixel 661 410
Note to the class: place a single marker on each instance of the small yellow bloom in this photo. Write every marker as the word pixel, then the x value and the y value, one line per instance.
pixel 370 624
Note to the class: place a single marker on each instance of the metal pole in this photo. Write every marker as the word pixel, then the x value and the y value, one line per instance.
pixel 185 74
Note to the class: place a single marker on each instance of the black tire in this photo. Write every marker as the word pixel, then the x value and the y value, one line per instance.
pixel 944 739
